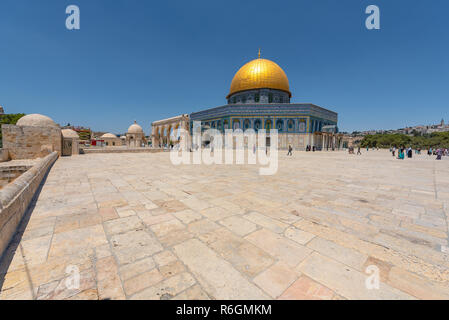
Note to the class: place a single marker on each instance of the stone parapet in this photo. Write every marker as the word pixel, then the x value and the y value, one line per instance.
pixel 16 197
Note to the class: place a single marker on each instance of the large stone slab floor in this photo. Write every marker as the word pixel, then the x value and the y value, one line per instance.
pixel 134 226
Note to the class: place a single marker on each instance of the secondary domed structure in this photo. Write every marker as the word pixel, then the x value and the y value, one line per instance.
pixel 108 135
pixel 33 136
pixel 135 128
pixel 111 140
pixel 260 81
pixel 135 137
pixel 69 133
pixel 36 120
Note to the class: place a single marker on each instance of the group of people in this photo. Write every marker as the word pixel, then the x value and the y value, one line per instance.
pixel 402 152
pixel 436 152
pixel 310 148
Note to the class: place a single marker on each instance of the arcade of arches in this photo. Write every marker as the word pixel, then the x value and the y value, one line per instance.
pixel 165 133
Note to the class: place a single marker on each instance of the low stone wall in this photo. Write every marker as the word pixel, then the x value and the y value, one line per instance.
pixel 119 150
pixel 16 196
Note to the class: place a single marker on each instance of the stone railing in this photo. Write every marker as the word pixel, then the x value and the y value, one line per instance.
pixel 16 197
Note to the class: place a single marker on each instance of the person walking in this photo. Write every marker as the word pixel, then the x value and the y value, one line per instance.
pixel 394 151
pixel 290 149
pixel 401 153
pixel 358 151
pixel 439 154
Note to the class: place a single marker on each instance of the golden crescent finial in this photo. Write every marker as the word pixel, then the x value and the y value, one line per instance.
pixel 259 53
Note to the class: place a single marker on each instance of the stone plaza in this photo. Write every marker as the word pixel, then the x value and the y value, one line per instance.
pixel 137 227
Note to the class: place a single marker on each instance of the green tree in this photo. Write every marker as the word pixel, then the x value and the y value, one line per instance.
pixel 433 140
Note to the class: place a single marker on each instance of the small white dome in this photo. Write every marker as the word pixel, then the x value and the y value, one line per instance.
pixel 69 133
pixel 135 128
pixel 109 135
pixel 36 120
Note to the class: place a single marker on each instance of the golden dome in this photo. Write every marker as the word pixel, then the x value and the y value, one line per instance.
pixel 259 74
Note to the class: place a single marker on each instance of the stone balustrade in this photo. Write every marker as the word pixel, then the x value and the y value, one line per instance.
pixel 16 197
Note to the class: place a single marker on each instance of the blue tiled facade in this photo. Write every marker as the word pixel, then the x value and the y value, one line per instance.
pixel 287 117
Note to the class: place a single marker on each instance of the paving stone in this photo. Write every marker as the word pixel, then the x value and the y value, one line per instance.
pixel 108 213
pixel 58 290
pixel 150 219
pixel 306 289
pixel 202 226
pixel 216 213
pixel 346 281
pixel 218 278
pixel 142 281
pixel 165 257
pixel 244 256
pixel 266 222
pixel 417 286
pixel 70 242
pixel 298 236
pixel 166 289
pixel 171 269
pixel 238 225
pixel 123 225
pixel 109 285
pixel 188 216
pixel 193 293
pixel 133 269
pixel 164 228
pixel 344 255
pixel 276 279
pixel 279 247
pixel 134 245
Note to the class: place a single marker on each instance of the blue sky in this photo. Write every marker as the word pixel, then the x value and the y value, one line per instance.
pixel 147 60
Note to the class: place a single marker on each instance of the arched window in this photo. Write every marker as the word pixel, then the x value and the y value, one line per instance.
pixel 257 97
pixel 290 125
pixel 236 124
pixel 270 98
pixel 302 126
pixel 257 125
pixel 246 124
pixel 279 125
pixel 268 125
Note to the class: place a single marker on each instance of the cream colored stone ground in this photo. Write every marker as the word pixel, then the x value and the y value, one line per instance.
pixel 137 227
